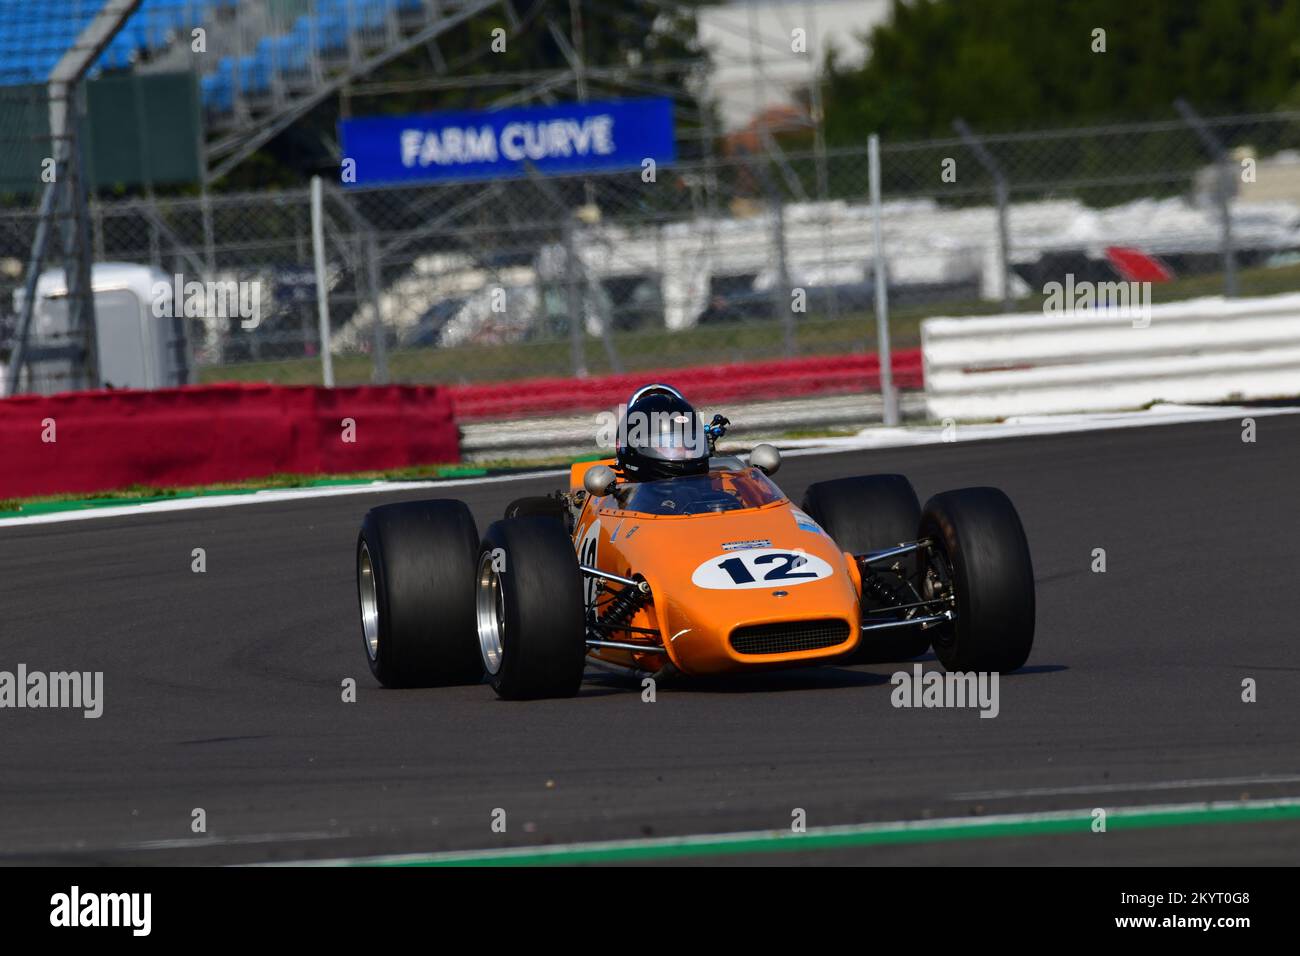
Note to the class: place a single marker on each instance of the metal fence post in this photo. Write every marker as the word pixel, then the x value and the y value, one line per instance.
pixel 887 393
pixel 782 297
pixel 1223 189
pixel 379 374
pixel 782 300
pixel 322 291
pixel 209 230
pixel 78 254
pixel 577 320
pixel 49 201
pixel 366 246
pixel 1001 197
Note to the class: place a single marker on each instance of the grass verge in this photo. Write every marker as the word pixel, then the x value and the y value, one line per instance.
pixel 141 494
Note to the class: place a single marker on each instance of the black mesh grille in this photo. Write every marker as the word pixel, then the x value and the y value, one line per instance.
pixel 789 636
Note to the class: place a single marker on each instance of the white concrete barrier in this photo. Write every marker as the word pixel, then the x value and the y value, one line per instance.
pixel 1201 350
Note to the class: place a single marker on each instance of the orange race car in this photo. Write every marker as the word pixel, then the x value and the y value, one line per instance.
pixel 672 559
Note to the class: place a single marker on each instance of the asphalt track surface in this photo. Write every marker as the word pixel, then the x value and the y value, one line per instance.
pixel 222 689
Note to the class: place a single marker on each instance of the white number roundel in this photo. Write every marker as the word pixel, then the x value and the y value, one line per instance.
pixel 588 553
pixel 759 568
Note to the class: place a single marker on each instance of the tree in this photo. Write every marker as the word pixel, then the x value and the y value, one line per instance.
pixel 1016 64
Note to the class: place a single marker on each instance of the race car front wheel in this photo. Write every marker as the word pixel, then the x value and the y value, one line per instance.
pixel 869 513
pixel 981 554
pixel 866 512
pixel 529 609
pixel 415 584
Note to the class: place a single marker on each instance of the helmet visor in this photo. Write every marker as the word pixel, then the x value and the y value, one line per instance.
pixel 667 436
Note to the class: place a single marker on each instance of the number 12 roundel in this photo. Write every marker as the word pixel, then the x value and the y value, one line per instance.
pixel 759 568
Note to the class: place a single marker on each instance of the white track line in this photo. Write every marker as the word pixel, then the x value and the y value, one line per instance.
pixel 269 496
pixel 1127 787
pixel 706 841
pixel 1028 426
pixel 247 840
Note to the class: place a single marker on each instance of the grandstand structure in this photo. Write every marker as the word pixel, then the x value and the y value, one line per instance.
pixel 260 65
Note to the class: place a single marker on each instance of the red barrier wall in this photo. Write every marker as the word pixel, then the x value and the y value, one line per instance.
pixel 215 433
pixel 784 378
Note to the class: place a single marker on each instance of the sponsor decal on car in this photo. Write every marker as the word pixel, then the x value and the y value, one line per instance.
pixel 743 545
pixel 805 523
pixel 759 568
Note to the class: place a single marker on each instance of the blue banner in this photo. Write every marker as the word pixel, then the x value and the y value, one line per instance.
pixel 477 144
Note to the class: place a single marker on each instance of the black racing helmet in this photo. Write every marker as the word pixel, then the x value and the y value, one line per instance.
pixel 661 436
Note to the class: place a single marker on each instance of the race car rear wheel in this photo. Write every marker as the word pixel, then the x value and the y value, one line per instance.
pixel 415 585
pixel 980 546
pixel 529 609
pixel 868 513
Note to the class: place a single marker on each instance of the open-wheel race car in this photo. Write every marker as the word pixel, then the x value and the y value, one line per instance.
pixel 673 559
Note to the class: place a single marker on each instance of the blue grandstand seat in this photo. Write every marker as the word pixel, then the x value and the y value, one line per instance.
pixel 119 53
pixel 34 34
pixel 278 55
pixel 290 54
pixel 369 14
pixel 170 14
pixel 331 32
pixel 217 92
pixel 254 74
pixel 303 31
pixel 225 74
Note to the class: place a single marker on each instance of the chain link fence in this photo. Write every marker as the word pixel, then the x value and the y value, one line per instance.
pixel 43 191
pixel 1072 199
pixel 746 257
pixel 26 143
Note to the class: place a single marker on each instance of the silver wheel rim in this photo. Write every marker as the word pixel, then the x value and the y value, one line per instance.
pixel 489 602
pixel 369 602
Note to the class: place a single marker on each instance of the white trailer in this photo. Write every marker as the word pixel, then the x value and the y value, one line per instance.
pixel 141 342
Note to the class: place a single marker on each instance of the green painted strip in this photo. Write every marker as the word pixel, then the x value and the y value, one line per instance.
pixel 82 504
pixel 31 508
pixel 869 834
pixel 85 504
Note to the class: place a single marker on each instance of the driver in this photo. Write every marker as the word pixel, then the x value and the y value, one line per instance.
pixel 661 436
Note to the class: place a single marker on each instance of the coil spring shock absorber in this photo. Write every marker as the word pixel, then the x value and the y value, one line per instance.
pixel 879 591
pixel 626 603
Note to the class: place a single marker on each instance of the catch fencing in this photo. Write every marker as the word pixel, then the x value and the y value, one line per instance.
pixel 733 258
